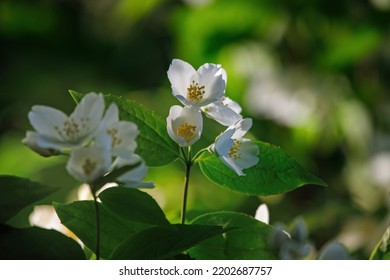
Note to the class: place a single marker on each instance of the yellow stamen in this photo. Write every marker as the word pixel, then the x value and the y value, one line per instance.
pixel 195 92
pixel 71 129
pixel 113 132
pixel 186 131
pixel 88 167
pixel 234 152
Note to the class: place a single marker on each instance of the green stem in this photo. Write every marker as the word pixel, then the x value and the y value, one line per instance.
pixel 199 153
pixel 97 216
pixel 186 184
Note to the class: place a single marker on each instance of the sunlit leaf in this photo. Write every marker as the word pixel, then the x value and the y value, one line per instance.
pixel 37 244
pixel 133 205
pixel 248 240
pixel 153 143
pixel 80 218
pixel 275 173
pixel 164 242
pixel 17 193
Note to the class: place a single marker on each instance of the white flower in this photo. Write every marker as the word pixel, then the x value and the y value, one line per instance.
pixel 236 152
pixel 87 164
pixel 184 125
pixel 119 135
pixel 56 130
pixel 225 111
pixel 197 88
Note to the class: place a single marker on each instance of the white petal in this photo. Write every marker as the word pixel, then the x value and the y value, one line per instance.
pixel 88 164
pixel 262 213
pixel 134 177
pixel 221 113
pixel 224 142
pixel 44 216
pixel 31 141
pixel 232 104
pixel 111 115
pixel 242 127
pixel 210 76
pixel 47 121
pixel 232 165
pixel 180 75
pixel 123 161
pixel 123 136
pixel 249 155
pixel 88 113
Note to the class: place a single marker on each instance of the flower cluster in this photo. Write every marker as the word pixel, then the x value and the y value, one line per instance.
pixel 203 90
pixel 96 141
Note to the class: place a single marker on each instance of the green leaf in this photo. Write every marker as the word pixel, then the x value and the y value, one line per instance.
pixel 18 193
pixel 164 242
pixel 382 249
pixel 133 205
pixel 249 241
pixel 37 244
pixel 153 143
pixel 275 173
pixel 80 218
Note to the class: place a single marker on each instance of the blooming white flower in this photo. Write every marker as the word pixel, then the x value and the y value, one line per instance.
pixel 196 88
pixel 89 163
pixel 56 130
pixel 119 135
pixel 236 152
pixel 225 111
pixel 184 125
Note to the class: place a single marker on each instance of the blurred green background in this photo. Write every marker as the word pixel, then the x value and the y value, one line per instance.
pixel 313 75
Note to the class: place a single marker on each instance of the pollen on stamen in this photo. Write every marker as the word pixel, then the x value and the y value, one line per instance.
pixel 113 132
pixel 186 131
pixel 195 92
pixel 88 167
pixel 234 152
pixel 70 129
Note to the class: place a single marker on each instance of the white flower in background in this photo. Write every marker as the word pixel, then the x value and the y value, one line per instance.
pixel 262 213
pixel 236 152
pixel 119 135
pixel 184 125
pixel 55 130
pixel 225 111
pixel 197 88
pixel 87 164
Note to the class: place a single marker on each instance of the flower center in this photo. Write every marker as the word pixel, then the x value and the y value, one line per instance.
pixel 234 152
pixel 195 92
pixel 186 131
pixel 71 129
pixel 88 167
pixel 116 141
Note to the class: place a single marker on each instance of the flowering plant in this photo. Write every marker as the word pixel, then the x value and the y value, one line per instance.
pixel 110 142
